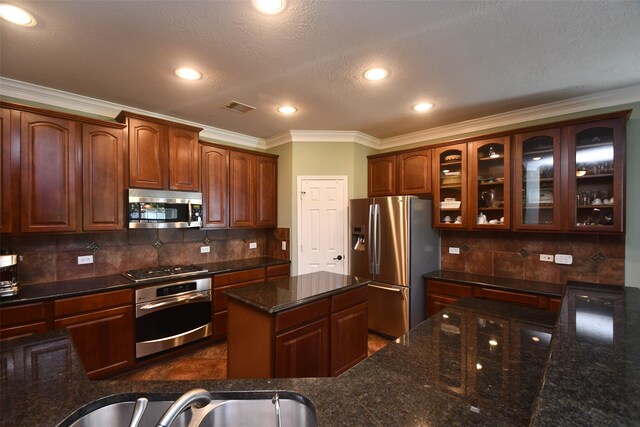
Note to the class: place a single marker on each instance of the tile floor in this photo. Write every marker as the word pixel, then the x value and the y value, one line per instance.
pixel 207 363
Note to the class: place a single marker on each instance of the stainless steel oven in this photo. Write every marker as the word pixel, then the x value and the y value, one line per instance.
pixel 172 314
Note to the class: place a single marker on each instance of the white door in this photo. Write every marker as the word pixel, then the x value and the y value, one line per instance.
pixel 322 222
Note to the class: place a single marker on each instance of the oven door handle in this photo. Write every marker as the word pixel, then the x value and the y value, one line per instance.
pixel 176 301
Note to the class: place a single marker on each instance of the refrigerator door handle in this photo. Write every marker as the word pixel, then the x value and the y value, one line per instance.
pixel 377 242
pixel 385 288
pixel 369 239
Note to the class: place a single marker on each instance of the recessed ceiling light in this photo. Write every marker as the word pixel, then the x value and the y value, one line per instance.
pixel 287 109
pixel 16 15
pixel 423 106
pixel 188 73
pixel 270 7
pixel 376 74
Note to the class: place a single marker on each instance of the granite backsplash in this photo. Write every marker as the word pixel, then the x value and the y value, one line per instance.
pixel 48 258
pixel 596 258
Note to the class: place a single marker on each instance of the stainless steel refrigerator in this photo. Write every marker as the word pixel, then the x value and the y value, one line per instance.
pixel 393 243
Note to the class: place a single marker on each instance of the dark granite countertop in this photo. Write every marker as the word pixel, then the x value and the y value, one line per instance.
pixel 527 286
pixel 281 294
pixel 481 364
pixel 69 288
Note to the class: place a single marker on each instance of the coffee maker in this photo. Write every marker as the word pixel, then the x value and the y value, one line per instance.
pixel 8 275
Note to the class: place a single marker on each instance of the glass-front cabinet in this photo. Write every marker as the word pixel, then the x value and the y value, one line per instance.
pixel 595 176
pixel 450 189
pixel 537 198
pixel 489 181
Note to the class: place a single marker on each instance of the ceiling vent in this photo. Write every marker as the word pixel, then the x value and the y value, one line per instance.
pixel 238 107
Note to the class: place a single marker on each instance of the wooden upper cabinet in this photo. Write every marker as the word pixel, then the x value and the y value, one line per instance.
pixel 162 154
pixel 147 154
pixel 49 173
pixel 267 197
pixel 242 189
pixel 215 186
pixel 450 187
pixel 9 169
pixel 490 183
pixel 382 176
pixel 103 159
pixel 537 195
pixel 184 160
pixel 414 172
pixel 595 176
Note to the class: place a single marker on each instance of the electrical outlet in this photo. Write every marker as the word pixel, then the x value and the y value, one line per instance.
pixel 564 259
pixel 546 258
pixel 205 249
pixel 284 245
pixel 87 259
pixel 455 251
pixel 253 245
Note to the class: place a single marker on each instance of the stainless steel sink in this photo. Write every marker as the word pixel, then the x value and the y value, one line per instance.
pixel 239 409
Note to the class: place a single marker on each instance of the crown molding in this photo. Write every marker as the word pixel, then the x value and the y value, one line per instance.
pixel 579 104
pixel 83 104
pixel 323 136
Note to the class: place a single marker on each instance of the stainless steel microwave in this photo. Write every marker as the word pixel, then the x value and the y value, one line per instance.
pixel 164 209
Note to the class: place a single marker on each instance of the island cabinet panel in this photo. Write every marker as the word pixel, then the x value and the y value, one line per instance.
pixel 25 319
pixel 223 282
pixel 303 351
pixel 147 154
pixel 215 188
pixel 242 189
pixel 102 327
pixel 414 172
pixel 297 316
pixel 348 342
pixel 49 173
pixel 267 197
pixel 184 159
pixel 382 176
pixel 103 159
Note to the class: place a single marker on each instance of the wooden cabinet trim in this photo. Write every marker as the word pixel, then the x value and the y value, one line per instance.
pixel 508 296
pixel 297 316
pixel 83 304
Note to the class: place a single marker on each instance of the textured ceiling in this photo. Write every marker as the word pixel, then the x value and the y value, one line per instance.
pixel 471 58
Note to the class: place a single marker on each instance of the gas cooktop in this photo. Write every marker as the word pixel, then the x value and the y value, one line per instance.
pixel 163 272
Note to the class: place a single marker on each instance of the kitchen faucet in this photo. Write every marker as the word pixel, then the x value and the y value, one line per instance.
pixel 197 398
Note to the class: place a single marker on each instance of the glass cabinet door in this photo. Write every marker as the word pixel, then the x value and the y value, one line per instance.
pixel 596 162
pixel 450 190
pixel 490 183
pixel 537 198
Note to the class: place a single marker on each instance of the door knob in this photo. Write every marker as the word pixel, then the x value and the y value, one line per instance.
pixel 339 257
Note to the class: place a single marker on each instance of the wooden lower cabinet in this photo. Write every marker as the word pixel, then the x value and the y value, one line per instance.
pixel 318 339
pixel 102 328
pixel 303 351
pixel 223 282
pixel 440 294
pixel 27 319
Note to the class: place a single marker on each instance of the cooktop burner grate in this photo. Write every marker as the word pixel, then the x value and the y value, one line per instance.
pixel 162 272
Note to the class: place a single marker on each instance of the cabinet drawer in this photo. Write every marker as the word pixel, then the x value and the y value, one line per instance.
pixel 349 298
pixel 519 298
pixel 238 277
pixel 77 305
pixel 278 270
pixel 446 288
pixel 306 313
pixel 554 305
pixel 21 314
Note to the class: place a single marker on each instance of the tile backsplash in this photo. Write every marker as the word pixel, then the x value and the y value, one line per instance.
pixel 48 258
pixel 596 258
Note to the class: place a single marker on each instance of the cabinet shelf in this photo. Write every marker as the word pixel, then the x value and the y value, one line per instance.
pixel 595 207
pixel 490 184
pixel 453 162
pixel 601 175
pixel 540 151
pixel 549 180
pixel 486 159
pixel 490 209
pixel 458 186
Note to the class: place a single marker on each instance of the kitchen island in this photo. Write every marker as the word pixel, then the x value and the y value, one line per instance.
pixel 442 372
pixel 312 325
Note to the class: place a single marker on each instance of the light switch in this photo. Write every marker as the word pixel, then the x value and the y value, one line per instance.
pixel 455 251
pixel 284 245
pixel 87 259
pixel 205 249
pixel 253 245
pixel 564 259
